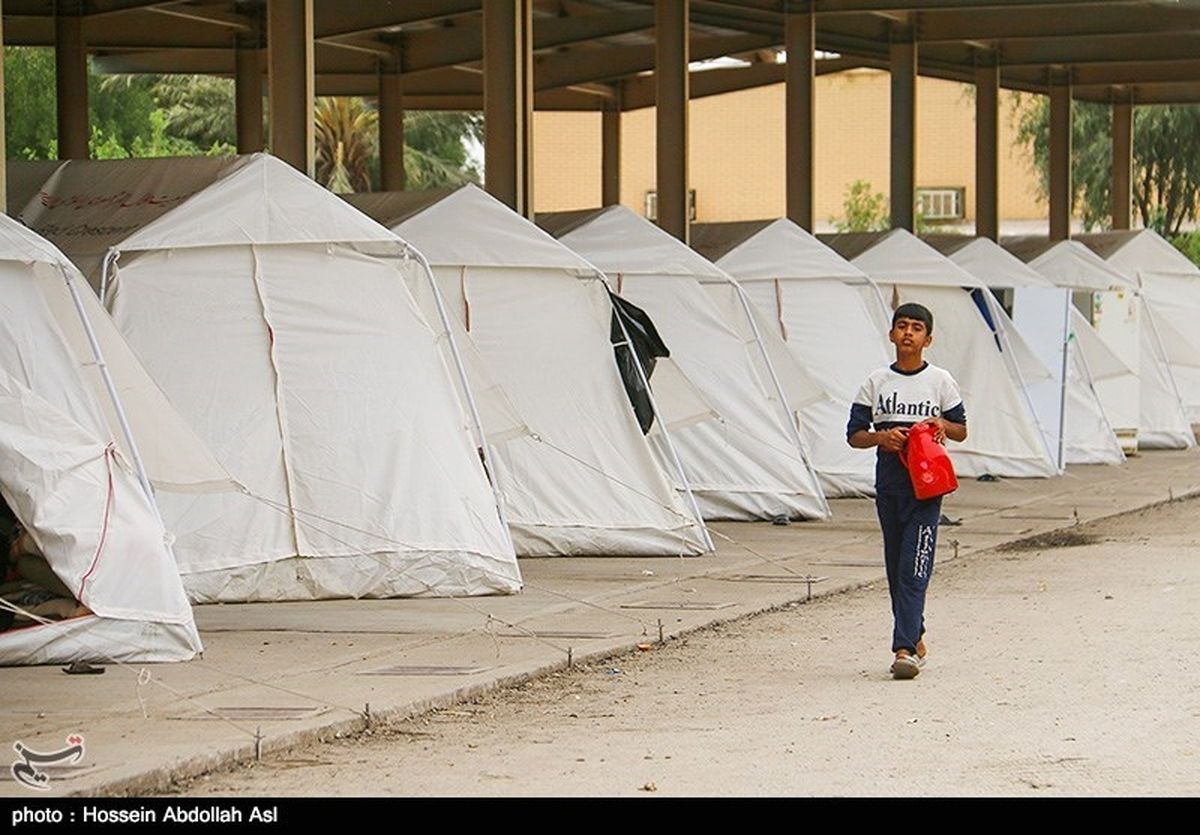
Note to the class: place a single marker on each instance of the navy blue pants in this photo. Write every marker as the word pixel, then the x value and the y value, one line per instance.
pixel 909 538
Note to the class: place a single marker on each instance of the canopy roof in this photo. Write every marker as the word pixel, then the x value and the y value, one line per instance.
pixel 597 54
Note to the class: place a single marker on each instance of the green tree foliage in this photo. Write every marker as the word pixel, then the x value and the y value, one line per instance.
pixel 29 112
pixel 200 109
pixel 129 116
pixel 863 209
pixel 1166 160
pixel 188 115
pixel 435 148
pixel 1189 244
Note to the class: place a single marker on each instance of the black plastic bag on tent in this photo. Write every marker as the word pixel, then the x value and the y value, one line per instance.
pixel 647 345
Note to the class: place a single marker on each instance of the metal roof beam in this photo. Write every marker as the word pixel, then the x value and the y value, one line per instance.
pixel 205 15
pixel 859 6
pixel 638 92
pixel 1097 19
pixel 1101 49
pixel 424 50
pixel 340 18
pixel 102 8
pixel 1181 92
pixel 581 65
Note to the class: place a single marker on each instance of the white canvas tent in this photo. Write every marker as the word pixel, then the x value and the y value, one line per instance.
pixel 834 335
pixel 1130 328
pixel 278 321
pixel 1170 285
pixel 86 208
pixel 747 461
pixel 70 474
pixel 576 474
pixel 24 179
pixel 1003 436
pixel 1062 392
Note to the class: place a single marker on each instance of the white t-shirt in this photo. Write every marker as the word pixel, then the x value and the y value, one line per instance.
pixel 891 398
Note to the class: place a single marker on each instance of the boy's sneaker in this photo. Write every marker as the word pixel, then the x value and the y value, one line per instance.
pixel 921 653
pixel 905 666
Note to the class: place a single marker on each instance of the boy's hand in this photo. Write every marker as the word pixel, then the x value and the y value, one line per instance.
pixel 940 425
pixel 892 440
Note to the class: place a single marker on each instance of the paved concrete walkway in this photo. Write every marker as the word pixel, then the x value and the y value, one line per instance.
pixel 274 675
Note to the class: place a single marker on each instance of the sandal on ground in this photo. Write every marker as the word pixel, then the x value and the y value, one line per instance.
pixel 905 666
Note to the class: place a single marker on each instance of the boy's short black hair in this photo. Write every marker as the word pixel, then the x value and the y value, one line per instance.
pixel 912 310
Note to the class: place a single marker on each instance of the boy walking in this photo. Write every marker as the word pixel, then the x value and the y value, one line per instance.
pixel 892 400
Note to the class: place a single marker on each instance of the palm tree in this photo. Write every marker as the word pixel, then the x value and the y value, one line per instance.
pixel 346 140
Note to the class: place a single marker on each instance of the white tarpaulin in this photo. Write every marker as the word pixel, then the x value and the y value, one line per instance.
pixel 1089 434
pixel 1072 418
pixel 804 291
pixel 579 478
pixel 747 462
pixel 306 366
pixel 64 473
pixel 1003 437
pixel 1129 323
pixel 1038 342
pixel 1170 285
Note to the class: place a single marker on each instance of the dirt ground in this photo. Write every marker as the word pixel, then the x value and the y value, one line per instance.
pixel 1065 666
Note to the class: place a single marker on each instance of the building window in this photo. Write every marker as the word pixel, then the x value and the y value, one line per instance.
pixel 942 203
pixel 651 205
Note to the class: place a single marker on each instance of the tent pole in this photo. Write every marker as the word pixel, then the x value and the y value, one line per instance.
pixel 1062 396
pixel 683 479
pixel 783 403
pixel 112 393
pixel 110 260
pixel 481 438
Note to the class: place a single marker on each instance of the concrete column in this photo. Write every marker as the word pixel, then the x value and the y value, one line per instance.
pixel 1122 162
pixel 610 164
pixel 3 138
pixel 70 65
pixel 391 123
pixel 987 149
pixel 508 102
pixel 800 42
pixel 671 140
pixel 290 81
pixel 903 64
pixel 1060 157
pixel 248 92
